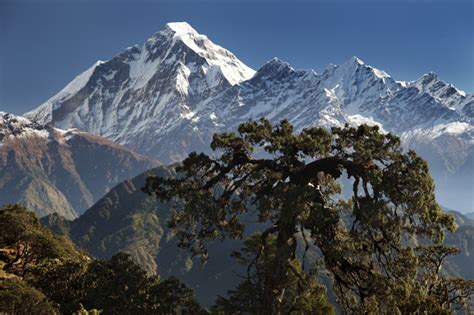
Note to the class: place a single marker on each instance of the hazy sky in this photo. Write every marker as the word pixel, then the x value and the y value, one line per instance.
pixel 45 44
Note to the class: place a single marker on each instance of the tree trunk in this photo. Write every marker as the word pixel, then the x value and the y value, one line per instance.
pixel 278 275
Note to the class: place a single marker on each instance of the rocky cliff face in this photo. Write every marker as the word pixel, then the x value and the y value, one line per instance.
pixel 51 170
pixel 167 97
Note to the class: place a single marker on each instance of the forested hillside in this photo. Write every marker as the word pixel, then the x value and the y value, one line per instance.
pixel 43 273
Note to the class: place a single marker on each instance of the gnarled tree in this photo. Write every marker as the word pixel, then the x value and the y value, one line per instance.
pixel 289 181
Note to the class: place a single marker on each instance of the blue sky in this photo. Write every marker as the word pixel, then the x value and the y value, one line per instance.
pixel 44 44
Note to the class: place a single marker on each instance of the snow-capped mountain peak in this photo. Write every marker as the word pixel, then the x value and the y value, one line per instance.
pixel 445 93
pixel 216 57
pixel 355 60
pixel 428 77
pixel 358 87
pixel 355 64
pixel 181 28
pixel 173 69
pixel 273 68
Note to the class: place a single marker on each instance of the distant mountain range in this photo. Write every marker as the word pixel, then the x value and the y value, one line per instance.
pixel 51 170
pixel 168 96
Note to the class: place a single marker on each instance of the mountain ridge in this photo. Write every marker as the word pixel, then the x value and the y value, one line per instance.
pixel 66 171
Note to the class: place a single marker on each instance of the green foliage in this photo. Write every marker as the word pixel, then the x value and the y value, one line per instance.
pixel 83 311
pixel 57 278
pixel 367 242
pixel 173 296
pixel 63 284
pixel 27 245
pixel 16 297
pixel 115 286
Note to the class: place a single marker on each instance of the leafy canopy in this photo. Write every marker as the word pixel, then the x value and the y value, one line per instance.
pixel 289 182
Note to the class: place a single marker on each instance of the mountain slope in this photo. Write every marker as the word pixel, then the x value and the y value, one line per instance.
pixel 463 239
pixel 167 97
pixel 128 220
pixel 51 170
